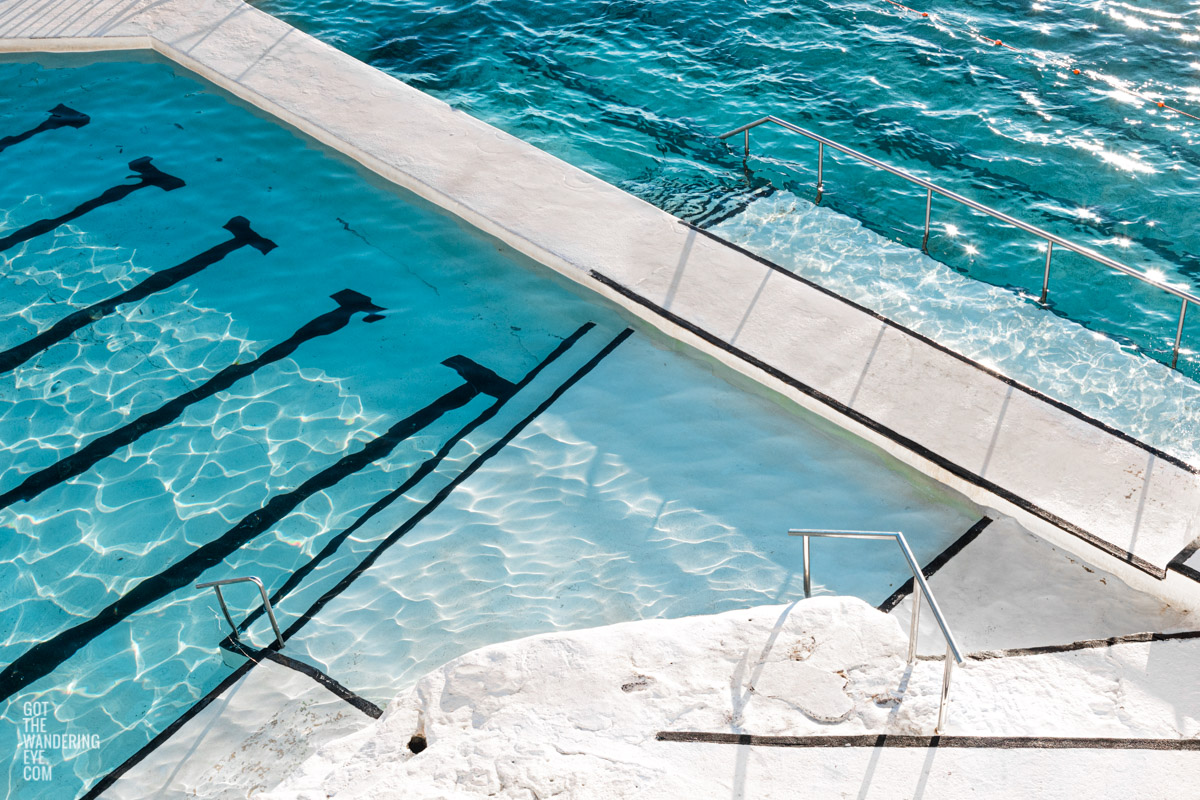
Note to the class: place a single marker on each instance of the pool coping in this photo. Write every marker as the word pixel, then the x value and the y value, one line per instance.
pixel 1063 475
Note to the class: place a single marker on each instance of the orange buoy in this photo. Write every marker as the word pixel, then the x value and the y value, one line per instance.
pixel 1075 71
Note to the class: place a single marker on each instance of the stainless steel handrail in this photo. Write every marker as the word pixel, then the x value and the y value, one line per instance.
pixel 953 654
pixel 216 585
pixel 931 187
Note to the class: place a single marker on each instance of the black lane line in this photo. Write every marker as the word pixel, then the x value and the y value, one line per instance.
pixel 105 783
pixel 60 117
pixel 464 367
pixel 361 703
pixel 950 552
pixel 149 175
pixel 44 657
pixel 954 742
pixel 883 430
pixel 1085 644
pixel 1060 405
pixel 445 492
pixel 418 475
pixel 243 236
pixel 349 303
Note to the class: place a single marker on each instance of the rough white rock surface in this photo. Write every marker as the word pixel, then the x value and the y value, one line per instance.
pixel 575 715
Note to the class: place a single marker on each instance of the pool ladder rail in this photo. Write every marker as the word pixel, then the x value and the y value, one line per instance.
pixel 920 587
pixel 931 187
pixel 953 654
pixel 216 585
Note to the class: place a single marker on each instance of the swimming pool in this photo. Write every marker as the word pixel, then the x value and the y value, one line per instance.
pixel 246 356
pixel 636 93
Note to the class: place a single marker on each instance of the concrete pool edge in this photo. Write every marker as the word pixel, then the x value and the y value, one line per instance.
pixel 564 219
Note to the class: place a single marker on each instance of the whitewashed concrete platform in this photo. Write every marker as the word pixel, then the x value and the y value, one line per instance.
pixel 578 715
pixel 545 714
pixel 246 742
pixel 1061 475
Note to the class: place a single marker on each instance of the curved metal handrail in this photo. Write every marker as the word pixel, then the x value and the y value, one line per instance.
pixel 931 187
pixel 262 590
pixel 953 654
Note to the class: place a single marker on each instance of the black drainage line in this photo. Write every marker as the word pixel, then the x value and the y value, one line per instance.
pixel 445 492
pixel 1178 562
pixel 361 703
pixel 44 657
pixel 60 117
pixel 1060 405
pixel 349 303
pixel 105 783
pixel 943 558
pixel 947 742
pixel 1085 644
pixel 243 236
pixel 908 444
pixel 149 175
pixel 418 475
pixel 1185 571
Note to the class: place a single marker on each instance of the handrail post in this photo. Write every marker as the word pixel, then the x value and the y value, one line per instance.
pixel 820 169
pixel 941 723
pixel 747 139
pixel 1046 274
pixel 914 627
pixel 270 612
pixel 928 211
pixel 807 574
pixel 920 587
pixel 1179 334
pixel 225 610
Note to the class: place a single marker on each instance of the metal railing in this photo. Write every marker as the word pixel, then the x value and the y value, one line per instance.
pixel 930 188
pixel 216 585
pixel 920 587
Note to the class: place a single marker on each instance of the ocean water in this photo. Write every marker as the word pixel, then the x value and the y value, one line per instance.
pixel 638 92
pixel 421 441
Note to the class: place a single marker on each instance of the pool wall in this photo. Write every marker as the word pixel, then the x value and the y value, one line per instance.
pixel 1070 479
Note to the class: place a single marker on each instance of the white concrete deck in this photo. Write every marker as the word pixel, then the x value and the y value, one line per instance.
pixel 1061 475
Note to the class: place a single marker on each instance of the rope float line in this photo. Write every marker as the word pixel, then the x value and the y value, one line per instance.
pixel 1074 70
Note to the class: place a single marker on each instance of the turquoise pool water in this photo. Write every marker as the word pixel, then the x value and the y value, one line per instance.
pixel 637 93
pixel 246 356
